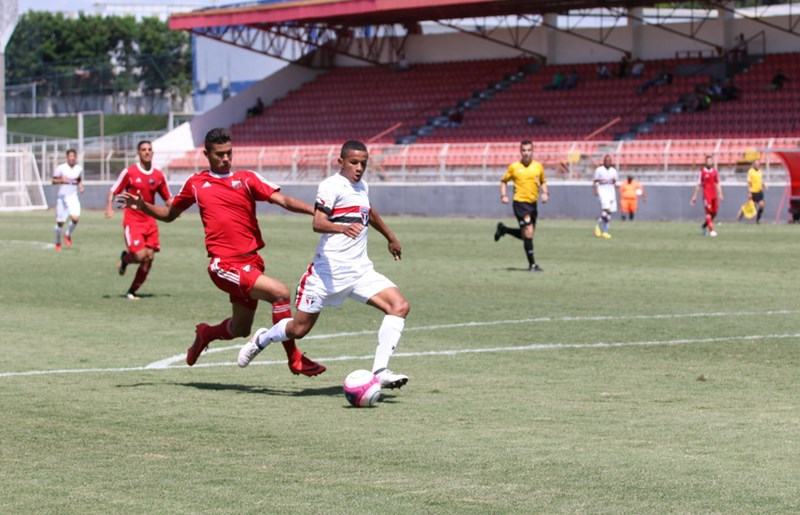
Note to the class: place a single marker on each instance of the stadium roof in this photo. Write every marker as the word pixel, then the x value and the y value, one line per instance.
pixel 356 13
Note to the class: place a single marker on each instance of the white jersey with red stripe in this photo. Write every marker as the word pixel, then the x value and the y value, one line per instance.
pixel 344 203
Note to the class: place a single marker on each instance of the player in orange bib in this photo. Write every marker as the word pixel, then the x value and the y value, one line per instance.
pixel 629 193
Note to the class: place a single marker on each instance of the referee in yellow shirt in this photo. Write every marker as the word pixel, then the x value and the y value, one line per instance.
pixel 528 178
pixel 755 190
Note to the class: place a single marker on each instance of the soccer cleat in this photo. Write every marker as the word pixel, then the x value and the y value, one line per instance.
pixel 501 230
pixel 712 233
pixel 199 345
pixel 121 264
pixel 704 229
pixel 606 236
pixel 67 240
pixel 131 296
pixel 306 366
pixel 536 268
pixel 597 231
pixel 58 246
pixel 251 349
pixel 389 379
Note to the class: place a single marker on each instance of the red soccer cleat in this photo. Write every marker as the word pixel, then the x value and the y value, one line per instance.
pixel 67 241
pixel 305 366
pixel 199 345
pixel 58 246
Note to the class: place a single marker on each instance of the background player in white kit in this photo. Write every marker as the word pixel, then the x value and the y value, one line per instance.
pixel 342 268
pixel 70 176
pixel 605 180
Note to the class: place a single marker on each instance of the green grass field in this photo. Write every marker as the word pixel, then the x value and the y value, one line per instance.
pixel 653 373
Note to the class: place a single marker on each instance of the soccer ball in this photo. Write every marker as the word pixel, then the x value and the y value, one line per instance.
pixel 362 388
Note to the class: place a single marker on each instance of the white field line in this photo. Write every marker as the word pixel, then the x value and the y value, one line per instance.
pixel 180 357
pixel 532 347
pixel 39 244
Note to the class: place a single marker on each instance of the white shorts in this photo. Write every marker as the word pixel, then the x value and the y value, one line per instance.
pixel 608 202
pixel 317 291
pixel 66 206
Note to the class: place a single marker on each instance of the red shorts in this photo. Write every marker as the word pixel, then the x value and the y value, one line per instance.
pixel 138 236
pixel 237 276
pixel 711 205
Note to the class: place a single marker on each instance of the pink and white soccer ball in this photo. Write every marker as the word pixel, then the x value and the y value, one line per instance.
pixel 362 388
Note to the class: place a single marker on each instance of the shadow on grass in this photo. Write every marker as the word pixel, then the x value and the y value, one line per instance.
pixel 327 391
pixel 139 295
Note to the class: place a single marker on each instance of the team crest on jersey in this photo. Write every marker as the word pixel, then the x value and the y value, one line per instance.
pixel 151 181
pixel 236 184
pixel 364 215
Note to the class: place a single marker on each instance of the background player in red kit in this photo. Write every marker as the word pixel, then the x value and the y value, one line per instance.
pixel 227 202
pixel 141 231
pixel 712 195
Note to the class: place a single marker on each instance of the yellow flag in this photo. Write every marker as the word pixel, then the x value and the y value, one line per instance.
pixel 749 209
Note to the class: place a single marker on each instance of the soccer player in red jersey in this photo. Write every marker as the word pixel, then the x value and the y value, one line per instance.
pixel 712 195
pixel 227 202
pixel 141 231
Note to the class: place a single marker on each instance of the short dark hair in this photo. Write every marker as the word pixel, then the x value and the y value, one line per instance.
pixel 217 137
pixel 72 151
pixel 353 144
pixel 143 142
pixel 526 142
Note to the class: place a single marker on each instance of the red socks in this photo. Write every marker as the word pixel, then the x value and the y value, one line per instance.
pixel 141 276
pixel 220 331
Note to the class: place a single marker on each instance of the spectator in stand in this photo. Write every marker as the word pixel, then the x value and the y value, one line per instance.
pixel 622 71
pixel 777 82
pixel 256 109
pixel 729 91
pixel 603 72
pixel 637 69
pixel 558 81
pixel 572 79
pixel 661 78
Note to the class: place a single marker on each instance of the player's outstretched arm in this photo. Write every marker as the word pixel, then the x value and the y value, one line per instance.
pixel 290 203
pixel 160 213
pixel 377 222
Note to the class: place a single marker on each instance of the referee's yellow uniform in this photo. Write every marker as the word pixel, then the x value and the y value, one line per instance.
pixel 527 180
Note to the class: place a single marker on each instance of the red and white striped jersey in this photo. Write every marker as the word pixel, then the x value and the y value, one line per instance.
pixel 344 203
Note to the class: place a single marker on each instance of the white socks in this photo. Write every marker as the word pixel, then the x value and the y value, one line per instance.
pixel 71 228
pixel 276 333
pixel 58 234
pixel 388 337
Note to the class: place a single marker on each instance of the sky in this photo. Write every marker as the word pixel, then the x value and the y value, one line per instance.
pixel 88 6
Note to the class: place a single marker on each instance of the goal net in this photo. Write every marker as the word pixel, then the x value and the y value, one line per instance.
pixel 20 183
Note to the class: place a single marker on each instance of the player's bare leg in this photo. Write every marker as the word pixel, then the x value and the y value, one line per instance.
pixel 275 292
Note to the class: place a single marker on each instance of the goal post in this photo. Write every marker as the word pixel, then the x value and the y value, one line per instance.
pixel 21 187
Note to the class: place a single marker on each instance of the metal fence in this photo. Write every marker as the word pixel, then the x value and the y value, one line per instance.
pixel 655 160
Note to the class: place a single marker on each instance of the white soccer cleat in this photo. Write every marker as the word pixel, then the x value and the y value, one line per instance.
pixel 389 379
pixel 250 349
pixel 712 233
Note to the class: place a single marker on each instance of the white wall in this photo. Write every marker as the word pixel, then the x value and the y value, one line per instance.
pixel 191 135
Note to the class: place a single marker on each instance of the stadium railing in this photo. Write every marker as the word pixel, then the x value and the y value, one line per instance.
pixel 656 160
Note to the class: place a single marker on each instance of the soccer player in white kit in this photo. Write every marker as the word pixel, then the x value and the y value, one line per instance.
pixel 70 176
pixel 342 268
pixel 605 181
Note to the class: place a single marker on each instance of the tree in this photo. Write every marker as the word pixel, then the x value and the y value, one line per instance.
pixel 98 55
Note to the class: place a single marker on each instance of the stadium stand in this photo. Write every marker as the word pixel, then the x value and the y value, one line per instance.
pixel 363 102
